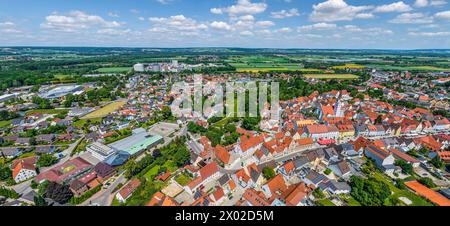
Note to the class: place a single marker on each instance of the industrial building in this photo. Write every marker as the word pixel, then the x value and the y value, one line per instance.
pixel 62 91
pixel 137 143
pixel 100 151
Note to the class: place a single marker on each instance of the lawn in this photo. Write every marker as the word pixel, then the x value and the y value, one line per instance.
pixel 331 76
pixel 105 110
pixel 325 202
pixel 171 166
pixel 405 68
pixel 183 179
pixel 5 123
pixel 114 70
pixel 152 173
pixel 80 123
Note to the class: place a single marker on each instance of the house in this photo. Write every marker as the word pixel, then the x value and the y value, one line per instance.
pixel 45 138
pixel 218 196
pixel 341 169
pixel 296 196
pixel 405 157
pixel 335 188
pixel 128 190
pixel 275 186
pixel 251 197
pixel 312 178
pixel 383 159
pixel 222 154
pixel 104 171
pixel 23 141
pixel 347 150
pixel 248 145
pixel 322 131
pixel 24 169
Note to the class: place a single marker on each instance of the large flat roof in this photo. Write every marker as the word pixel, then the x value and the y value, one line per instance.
pixel 136 142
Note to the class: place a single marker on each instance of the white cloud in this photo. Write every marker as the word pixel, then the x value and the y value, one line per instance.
pixel 164 2
pixel 176 23
pixel 336 10
pixel 284 30
pixel 393 7
pixel 412 18
pixel 265 23
pixel 242 7
pixel 141 18
pixel 75 21
pixel 246 33
pixel 9 27
pixel 445 15
pixel 318 26
pixel 220 25
pixel 421 3
pixel 111 31
pixel 285 13
pixel 364 16
pixel 438 2
pixel 425 3
pixel 430 34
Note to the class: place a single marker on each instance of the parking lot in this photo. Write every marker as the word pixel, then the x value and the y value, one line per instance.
pixel 163 129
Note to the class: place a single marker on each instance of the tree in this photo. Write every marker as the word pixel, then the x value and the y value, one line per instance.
pixel 369 192
pixel 268 173
pixel 427 182
pixel 40 201
pixel 5 173
pixel 437 162
pixel 59 193
pixel 46 160
pixel 406 167
pixel 166 112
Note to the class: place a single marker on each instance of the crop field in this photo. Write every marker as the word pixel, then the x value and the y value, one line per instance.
pixel 349 66
pixel 104 111
pixel 412 68
pixel 332 76
pixel 114 69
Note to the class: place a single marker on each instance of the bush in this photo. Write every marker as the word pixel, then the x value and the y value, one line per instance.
pixel 327 171
pixel 427 182
pixel 369 192
pixel 268 173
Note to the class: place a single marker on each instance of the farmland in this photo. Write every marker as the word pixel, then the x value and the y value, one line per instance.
pixel 331 76
pixel 408 68
pixel 105 110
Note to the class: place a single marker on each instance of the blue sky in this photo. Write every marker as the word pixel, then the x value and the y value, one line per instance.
pixel 374 24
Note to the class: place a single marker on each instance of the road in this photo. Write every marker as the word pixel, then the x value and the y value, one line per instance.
pixel 105 196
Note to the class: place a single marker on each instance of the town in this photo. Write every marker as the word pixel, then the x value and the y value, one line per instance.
pixel 349 134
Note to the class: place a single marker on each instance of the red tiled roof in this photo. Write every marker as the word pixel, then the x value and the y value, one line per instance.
pixel 222 154
pixel 126 191
pixel 208 170
pixel 428 193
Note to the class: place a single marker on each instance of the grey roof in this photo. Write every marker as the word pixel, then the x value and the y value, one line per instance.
pixel 223 179
pixel 301 161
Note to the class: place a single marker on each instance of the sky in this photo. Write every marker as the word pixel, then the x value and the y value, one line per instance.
pixel 334 24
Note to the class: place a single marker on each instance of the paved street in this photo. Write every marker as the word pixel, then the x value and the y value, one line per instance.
pixel 105 196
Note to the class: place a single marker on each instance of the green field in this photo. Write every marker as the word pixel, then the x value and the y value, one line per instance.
pixel 331 76
pixel 114 70
pixel 183 179
pixel 149 175
pixel 5 123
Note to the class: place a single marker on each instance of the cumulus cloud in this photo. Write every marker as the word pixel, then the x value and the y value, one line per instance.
pixel 412 18
pixel 393 7
pixel 336 10
pixel 75 21
pixel 285 13
pixel 176 23
pixel 318 26
pixel 284 30
pixel 242 7
pixel 265 23
pixel 445 15
pixel 220 25
pixel 9 27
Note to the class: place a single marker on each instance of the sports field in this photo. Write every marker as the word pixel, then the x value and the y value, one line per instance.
pixel 105 110
pixel 331 76
pixel 114 70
